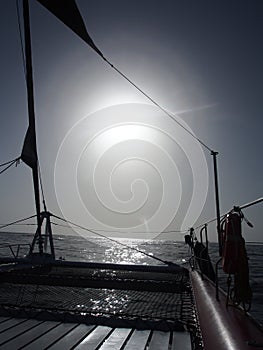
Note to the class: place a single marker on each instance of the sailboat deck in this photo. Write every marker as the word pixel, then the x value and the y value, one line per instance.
pixel 142 299
pixel 52 314
pixel 35 334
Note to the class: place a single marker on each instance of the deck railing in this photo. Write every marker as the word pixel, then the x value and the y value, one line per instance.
pixel 14 250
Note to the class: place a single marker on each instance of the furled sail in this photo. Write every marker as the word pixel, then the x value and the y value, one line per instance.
pixel 68 12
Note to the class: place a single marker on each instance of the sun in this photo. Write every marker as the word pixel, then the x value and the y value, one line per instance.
pixel 119 133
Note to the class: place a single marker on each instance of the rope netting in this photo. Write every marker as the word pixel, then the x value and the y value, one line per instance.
pixel 139 308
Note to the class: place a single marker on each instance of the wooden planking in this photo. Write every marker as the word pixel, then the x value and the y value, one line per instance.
pixel 30 334
pixel 181 340
pixel 138 340
pixel 11 322
pixel 72 338
pixel 116 339
pixel 3 319
pixel 51 337
pixel 17 330
pixel 94 339
pixel 159 340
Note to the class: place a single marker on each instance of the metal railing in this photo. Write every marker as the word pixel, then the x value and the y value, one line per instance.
pixel 14 250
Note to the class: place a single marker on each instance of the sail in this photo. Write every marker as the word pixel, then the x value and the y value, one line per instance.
pixel 68 12
pixel 29 152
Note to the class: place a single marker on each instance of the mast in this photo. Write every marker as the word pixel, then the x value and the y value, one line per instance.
pixel 31 116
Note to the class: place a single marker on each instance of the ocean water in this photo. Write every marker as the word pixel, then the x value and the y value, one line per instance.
pixel 71 247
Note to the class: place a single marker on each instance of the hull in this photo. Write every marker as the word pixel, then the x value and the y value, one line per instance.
pixel 222 327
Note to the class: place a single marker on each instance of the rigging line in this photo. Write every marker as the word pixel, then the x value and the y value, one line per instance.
pixel 207 222
pixel 20 36
pixel 257 201
pixel 7 167
pixel 23 225
pixel 157 104
pixel 17 221
pixel 10 161
pixel 113 240
pixel 117 231
pixel 17 233
pixel 41 186
pixel 164 232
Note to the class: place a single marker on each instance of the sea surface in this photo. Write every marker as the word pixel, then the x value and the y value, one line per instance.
pixel 150 252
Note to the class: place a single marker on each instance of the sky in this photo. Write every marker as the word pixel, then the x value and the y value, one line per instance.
pixel 111 160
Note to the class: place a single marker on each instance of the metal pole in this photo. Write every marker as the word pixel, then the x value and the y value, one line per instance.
pixel 214 154
pixel 31 114
pixel 259 200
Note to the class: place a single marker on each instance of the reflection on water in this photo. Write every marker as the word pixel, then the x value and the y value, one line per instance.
pixel 173 251
pixel 131 303
pixel 111 303
pixel 106 301
pixel 121 255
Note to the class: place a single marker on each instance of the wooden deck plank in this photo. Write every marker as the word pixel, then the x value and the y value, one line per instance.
pixel 72 338
pixel 49 338
pixel 23 339
pixel 138 340
pixel 94 339
pixel 116 339
pixel 159 340
pixel 181 340
pixel 17 330
pixel 10 323
pixel 31 334
pixel 3 319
